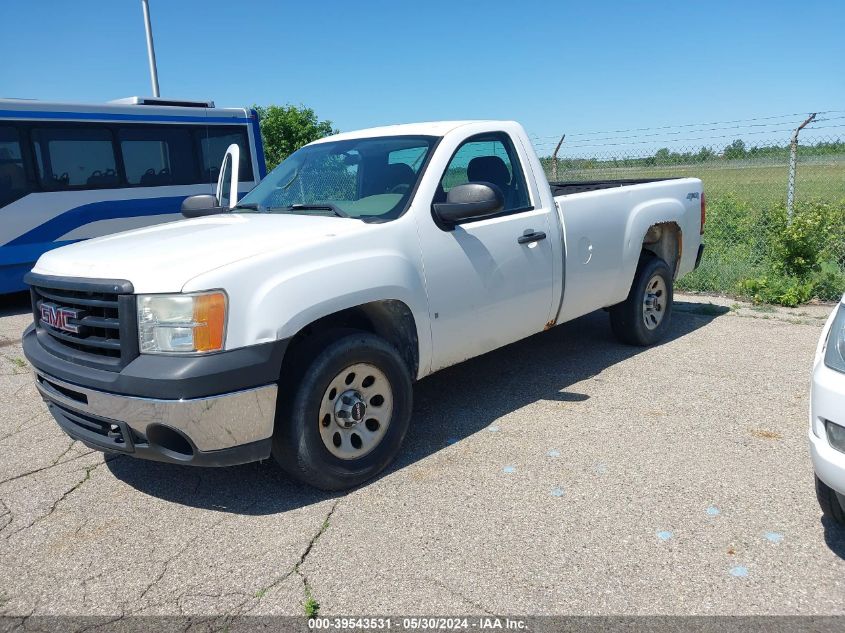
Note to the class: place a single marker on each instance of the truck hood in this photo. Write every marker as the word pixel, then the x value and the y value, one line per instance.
pixel 164 257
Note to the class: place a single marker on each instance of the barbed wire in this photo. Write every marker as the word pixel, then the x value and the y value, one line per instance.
pixel 713 129
pixel 688 125
pixel 657 143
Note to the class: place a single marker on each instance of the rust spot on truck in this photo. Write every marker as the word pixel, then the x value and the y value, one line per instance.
pixel 549 325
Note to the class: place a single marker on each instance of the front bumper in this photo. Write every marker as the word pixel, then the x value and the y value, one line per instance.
pixel 827 402
pixel 223 430
pixel 215 410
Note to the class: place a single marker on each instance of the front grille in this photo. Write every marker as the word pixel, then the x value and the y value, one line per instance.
pixel 88 321
pixel 97 319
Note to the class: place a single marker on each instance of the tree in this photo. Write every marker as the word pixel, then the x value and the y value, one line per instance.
pixel 736 149
pixel 705 154
pixel 284 129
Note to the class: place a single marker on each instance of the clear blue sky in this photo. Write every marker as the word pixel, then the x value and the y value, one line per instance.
pixel 555 66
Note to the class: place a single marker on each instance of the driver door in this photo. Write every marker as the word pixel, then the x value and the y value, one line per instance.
pixel 489 281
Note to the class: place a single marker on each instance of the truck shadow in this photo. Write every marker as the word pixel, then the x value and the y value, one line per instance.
pixel 449 406
pixel 834 537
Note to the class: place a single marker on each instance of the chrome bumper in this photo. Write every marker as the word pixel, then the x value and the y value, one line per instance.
pixel 218 430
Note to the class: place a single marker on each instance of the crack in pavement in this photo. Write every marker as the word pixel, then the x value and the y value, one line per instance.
pixel 41 417
pixel 182 550
pixel 171 559
pixel 66 493
pixel 238 610
pixel 297 568
pixel 6 517
pixel 100 625
pixel 55 463
pixel 309 593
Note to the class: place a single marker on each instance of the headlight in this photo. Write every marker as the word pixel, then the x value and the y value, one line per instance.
pixel 834 355
pixel 181 323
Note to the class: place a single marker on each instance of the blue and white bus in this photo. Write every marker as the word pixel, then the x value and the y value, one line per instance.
pixel 69 172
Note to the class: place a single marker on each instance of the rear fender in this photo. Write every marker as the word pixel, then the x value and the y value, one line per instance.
pixel 641 219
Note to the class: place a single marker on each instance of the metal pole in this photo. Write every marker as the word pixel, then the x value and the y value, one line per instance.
pixel 151 53
pixel 793 161
pixel 554 157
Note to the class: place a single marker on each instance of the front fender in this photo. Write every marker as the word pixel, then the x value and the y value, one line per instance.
pixel 273 298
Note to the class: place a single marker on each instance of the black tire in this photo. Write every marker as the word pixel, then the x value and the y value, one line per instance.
pixel 297 443
pixel 830 502
pixel 627 319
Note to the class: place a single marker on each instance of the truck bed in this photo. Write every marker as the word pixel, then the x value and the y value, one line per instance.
pixel 563 188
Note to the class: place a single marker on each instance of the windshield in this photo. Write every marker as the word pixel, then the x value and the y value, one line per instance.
pixel 366 178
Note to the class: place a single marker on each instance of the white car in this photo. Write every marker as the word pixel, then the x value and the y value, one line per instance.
pixel 827 416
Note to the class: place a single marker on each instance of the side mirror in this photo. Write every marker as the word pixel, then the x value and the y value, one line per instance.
pixel 202 205
pixel 472 201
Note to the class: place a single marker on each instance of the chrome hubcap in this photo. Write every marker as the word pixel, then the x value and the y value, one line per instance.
pixel 654 302
pixel 355 411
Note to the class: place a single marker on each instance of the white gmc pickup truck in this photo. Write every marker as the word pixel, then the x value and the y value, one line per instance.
pixel 293 322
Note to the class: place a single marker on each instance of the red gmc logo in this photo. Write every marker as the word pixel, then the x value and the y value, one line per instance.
pixel 59 317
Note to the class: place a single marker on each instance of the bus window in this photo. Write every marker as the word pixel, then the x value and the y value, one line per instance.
pixel 12 174
pixel 213 144
pixel 75 157
pixel 154 156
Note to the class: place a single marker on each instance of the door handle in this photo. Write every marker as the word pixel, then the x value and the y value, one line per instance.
pixel 530 235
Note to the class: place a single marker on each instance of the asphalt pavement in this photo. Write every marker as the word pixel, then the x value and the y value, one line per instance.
pixel 565 474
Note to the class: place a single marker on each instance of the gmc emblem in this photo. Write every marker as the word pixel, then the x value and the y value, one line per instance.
pixel 59 317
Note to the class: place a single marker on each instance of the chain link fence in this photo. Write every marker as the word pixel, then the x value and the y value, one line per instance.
pixel 754 247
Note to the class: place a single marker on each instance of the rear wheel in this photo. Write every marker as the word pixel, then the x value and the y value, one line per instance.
pixel 830 502
pixel 643 318
pixel 349 412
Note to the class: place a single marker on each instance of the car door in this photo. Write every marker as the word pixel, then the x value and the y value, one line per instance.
pixel 489 281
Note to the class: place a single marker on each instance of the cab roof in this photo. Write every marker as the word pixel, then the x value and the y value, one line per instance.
pixel 428 128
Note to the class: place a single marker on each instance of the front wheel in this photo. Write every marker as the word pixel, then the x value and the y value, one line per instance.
pixel 349 413
pixel 643 318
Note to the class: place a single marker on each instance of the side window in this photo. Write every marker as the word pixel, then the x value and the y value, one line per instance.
pixel 13 183
pixel 213 143
pixel 157 156
pixel 75 157
pixel 488 158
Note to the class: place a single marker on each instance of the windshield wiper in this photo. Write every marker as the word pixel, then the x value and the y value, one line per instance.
pixel 250 206
pixel 320 207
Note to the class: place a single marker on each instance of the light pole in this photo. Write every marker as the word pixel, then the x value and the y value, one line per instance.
pixel 151 53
